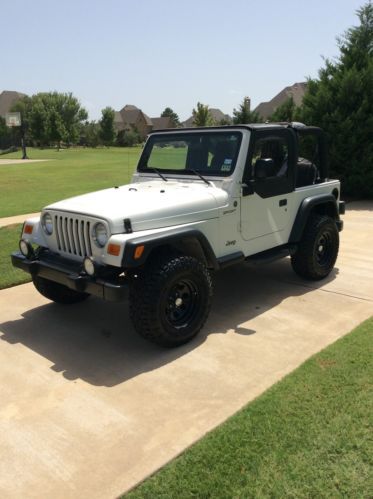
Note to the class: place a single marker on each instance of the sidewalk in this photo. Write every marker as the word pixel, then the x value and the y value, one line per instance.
pixel 19 161
pixel 18 219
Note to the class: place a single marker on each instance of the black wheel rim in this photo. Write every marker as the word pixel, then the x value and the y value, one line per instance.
pixel 324 249
pixel 182 303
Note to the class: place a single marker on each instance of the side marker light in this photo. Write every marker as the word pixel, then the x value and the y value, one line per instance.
pixel 138 252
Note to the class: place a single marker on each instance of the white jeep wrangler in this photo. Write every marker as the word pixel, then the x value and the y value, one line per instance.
pixel 200 200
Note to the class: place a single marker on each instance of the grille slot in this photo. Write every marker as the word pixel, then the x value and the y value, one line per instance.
pixel 73 235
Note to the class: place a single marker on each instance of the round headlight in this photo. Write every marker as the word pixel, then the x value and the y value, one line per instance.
pixel 47 223
pixel 100 235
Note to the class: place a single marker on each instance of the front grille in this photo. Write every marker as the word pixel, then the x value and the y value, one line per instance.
pixel 72 235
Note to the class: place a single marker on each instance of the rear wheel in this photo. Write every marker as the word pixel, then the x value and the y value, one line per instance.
pixel 318 250
pixel 58 292
pixel 170 300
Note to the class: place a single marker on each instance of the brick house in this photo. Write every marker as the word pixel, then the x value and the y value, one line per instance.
pixel 162 123
pixel 217 115
pixel 297 91
pixel 7 99
pixel 132 118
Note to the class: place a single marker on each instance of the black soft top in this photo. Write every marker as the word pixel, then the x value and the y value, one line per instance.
pixel 250 126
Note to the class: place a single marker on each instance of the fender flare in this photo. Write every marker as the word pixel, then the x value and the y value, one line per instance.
pixel 308 204
pixel 153 241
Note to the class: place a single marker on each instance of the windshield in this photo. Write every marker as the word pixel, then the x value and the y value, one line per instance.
pixel 209 153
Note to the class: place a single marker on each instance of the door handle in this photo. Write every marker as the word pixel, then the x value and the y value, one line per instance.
pixel 283 202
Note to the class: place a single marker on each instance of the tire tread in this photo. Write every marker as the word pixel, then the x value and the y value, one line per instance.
pixel 148 283
pixel 303 261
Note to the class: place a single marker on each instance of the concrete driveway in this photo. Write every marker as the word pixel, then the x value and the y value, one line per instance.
pixel 88 409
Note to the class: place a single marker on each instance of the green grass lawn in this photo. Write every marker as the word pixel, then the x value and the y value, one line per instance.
pixel 309 436
pixel 10 276
pixel 27 187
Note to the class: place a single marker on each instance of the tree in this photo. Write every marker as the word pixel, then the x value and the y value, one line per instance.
pixel 127 138
pixel 107 130
pixel 169 113
pixel 52 117
pixel 224 122
pixel 341 102
pixel 202 115
pixel 244 115
pixel 285 111
pixel 90 134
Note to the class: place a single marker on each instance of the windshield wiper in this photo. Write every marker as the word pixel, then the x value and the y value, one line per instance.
pixel 158 172
pixel 198 175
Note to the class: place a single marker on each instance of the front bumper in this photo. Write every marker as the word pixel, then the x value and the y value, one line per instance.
pixel 70 274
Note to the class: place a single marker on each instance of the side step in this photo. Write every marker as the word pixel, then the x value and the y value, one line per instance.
pixel 271 255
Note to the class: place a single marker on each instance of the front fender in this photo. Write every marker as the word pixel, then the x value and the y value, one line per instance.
pixel 37 235
pixel 153 241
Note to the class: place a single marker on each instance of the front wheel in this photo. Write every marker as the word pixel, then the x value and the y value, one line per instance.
pixel 170 300
pixel 318 250
pixel 58 292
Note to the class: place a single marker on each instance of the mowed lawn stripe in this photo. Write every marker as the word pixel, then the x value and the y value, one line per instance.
pixel 310 435
pixel 27 187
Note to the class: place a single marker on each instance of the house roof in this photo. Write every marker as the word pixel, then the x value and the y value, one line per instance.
pixel 147 119
pixel 7 99
pixel 297 91
pixel 130 114
pixel 217 116
pixel 188 123
pixel 118 121
pixel 162 122
pixel 130 107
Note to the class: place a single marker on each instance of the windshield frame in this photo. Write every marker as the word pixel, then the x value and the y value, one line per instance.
pixel 179 136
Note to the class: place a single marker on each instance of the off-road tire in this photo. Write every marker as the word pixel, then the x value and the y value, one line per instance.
pixel 170 299
pixel 318 250
pixel 58 292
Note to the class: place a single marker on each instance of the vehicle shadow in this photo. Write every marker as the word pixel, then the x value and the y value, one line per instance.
pixel 95 341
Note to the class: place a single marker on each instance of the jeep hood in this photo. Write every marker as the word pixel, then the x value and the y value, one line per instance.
pixel 148 205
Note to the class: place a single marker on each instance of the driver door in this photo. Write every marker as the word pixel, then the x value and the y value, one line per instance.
pixel 268 182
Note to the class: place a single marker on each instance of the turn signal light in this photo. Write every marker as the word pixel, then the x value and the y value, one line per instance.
pixel 113 249
pixel 28 228
pixel 138 252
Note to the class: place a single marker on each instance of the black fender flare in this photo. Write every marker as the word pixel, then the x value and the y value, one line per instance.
pixel 153 241
pixel 308 204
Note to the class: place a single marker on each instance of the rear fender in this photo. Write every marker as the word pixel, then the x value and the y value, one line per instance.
pixel 325 204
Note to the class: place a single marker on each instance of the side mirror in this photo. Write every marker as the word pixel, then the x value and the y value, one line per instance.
pixel 262 167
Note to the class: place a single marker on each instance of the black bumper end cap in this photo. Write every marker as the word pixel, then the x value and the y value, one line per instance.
pixel 110 291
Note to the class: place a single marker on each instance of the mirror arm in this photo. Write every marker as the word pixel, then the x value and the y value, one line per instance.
pixel 248 188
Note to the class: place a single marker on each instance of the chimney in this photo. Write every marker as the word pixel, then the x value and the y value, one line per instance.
pixel 247 102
